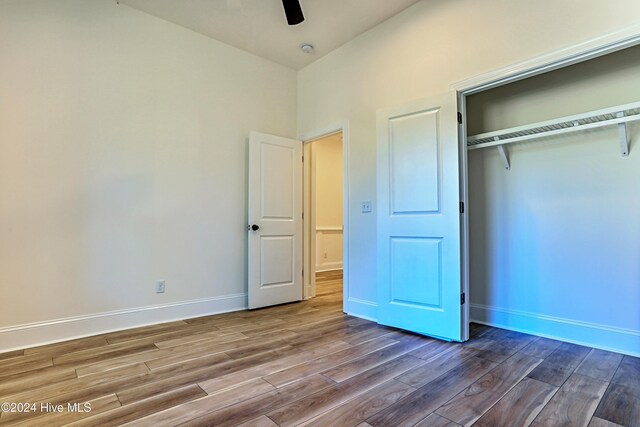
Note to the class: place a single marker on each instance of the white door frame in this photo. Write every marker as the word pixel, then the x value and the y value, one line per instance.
pixel 560 58
pixel 309 235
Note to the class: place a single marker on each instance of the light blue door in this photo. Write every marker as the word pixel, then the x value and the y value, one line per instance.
pixel 419 220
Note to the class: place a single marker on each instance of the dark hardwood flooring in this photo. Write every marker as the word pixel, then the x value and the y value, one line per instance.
pixel 309 364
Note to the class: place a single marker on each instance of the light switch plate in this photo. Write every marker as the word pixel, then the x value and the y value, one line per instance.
pixel 366 206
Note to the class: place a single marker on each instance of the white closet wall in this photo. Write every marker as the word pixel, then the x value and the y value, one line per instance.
pixel 555 241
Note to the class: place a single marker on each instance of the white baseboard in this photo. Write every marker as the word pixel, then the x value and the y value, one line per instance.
pixel 329 266
pixel 48 332
pixel 361 308
pixel 604 337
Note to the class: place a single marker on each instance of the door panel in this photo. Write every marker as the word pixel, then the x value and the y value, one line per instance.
pixel 275 206
pixel 276 265
pixel 419 260
pixel 414 163
pixel 277 174
pixel 416 273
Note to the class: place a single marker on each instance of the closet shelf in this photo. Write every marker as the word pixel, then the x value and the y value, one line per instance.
pixel 619 115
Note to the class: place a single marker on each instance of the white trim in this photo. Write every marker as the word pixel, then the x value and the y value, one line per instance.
pixel 341 126
pixel 464 218
pixel 595 335
pixel 329 229
pixel 57 330
pixel 364 309
pixel 329 266
pixel 579 52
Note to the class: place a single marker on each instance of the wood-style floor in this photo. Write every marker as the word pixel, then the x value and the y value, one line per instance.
pixel 307 363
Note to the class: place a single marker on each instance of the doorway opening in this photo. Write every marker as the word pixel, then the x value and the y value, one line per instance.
pixel 324 217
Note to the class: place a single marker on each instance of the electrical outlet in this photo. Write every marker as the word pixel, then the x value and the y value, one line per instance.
pixel 160 287
pixel 366 206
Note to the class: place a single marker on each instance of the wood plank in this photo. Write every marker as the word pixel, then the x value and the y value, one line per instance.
pixel 493 350
pixel 560 364
pixel 373 359
pixel 192 363
pixel 315 366
pixel 437 366
pixel 426 399
pixel 206 404
pixel 542 347
pixel 101 353
pixel 574 404
pixel 11 354
pixel 620 405
pixel 30 380
pixel 116 362
pixel 144 331
pixel 475 400
pixel 156 358
pixel 235 378
pixel 262 421
pixel 599 422
pixel 66 347
pixel 252 408
pixel 10 367
pixel 362 407
pixel 313 405
pixel 208 337
pixel 364 336
pixel 520 406
pixel 628 373
pixel 433 349
pixel 257 345
pixel 128 413
pixel 82 390
pixel 476 330
pixel 67 417
pixel 599 364
pixel 179 376
pixel 435 420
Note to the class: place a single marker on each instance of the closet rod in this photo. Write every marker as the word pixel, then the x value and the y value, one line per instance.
pixel 619 115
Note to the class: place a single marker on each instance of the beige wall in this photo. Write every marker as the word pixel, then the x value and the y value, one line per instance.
pixel 123 160
pixel 418 53
pixel 328 177
pixel 327 158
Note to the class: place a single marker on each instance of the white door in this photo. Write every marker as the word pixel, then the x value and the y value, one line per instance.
pixel 419 223
pixel 275 220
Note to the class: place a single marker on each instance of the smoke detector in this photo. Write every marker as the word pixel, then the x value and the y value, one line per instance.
pixel 306 47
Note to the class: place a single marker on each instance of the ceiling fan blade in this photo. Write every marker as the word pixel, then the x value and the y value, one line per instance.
pixel 293 10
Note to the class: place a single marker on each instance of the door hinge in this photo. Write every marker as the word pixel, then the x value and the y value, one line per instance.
pixel 461 207
pixel 459 117
pixel 462 298
pixel 302 215
pixel 302 159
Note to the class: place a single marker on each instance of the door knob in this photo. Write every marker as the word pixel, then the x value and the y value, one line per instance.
pixel 255 227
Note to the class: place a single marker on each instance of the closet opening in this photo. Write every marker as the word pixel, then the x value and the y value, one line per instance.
pixel 553 178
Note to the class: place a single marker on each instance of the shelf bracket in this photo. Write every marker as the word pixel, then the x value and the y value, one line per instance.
pixel 503 155
pixel 622 134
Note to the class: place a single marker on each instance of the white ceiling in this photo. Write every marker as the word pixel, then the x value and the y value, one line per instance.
pixel 260 27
